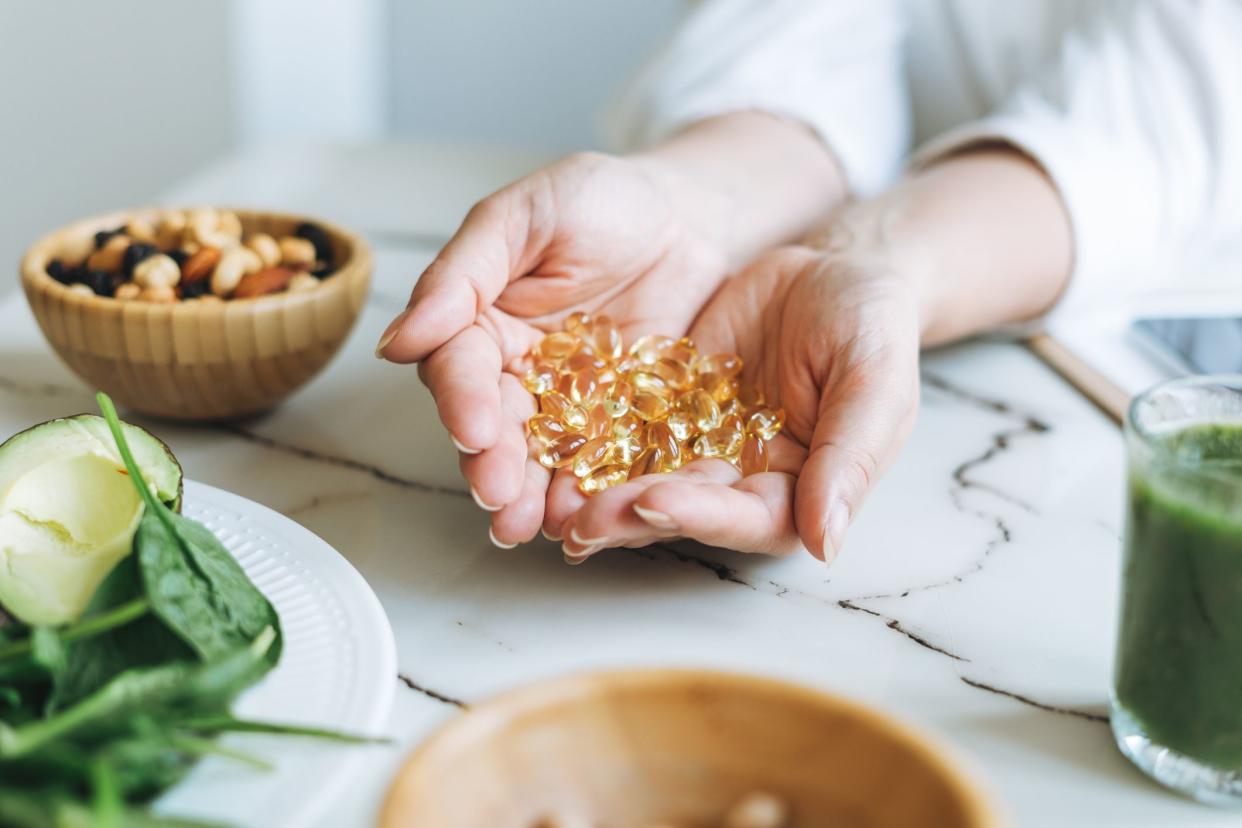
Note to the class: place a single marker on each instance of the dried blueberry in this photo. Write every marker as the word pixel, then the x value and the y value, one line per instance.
pixel 323 271
pixel 178 256
pixel 317 236
pixel 192 290
pixel 58 271
pixel 134 254
pixel 101 282
pixel 101 238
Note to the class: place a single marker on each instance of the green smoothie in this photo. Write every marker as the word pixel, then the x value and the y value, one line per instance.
pixel 1179 656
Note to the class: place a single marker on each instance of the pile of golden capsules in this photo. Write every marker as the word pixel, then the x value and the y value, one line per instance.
pixel 612 415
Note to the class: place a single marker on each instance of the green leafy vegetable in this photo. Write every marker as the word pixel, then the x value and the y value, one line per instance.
pixel 196 587
pixel 101 715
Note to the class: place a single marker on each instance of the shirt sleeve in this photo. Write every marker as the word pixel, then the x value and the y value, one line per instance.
pixel 834 66
pixel 1138 123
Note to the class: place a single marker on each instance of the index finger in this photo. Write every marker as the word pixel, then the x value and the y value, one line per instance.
pixel 473 268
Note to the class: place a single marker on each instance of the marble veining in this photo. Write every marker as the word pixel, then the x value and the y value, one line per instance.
pixel 975 595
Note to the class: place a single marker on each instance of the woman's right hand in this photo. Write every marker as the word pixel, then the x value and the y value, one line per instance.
pixel 607 235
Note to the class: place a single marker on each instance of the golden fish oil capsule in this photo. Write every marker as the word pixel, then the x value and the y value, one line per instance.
pixel 754 455
pixel 649 461
pixel 546 428
pixel 578 323
pixel 607 375
pixel 732 406
pixel 583 359
pixel 675 374
pixel 734 422
pixel 721 389
pixel 649 406
pixel 556 346
pixel 605 477
pixel 750 397
pixel 558 405
pixel 618 397
pixel 703 411
pixel 598 421
pixel 681 424
pixel 560 452
pixel 605 337
pixel 682 351
pixel 766 422
pixel 647 382
pixel 627 448
pixel 726 365
pixel 540 379
pixel 658 434
pixel 647 349
pixel 719 442
pixel 593 454
pixel 625 425
pixel 583 385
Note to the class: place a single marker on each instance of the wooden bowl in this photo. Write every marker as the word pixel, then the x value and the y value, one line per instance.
pixel 197 360
pixel 678 748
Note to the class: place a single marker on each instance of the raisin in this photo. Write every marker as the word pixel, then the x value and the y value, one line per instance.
pixel 178 256
pixel 134 254
pixel 58 271
pixel 101 282
pixel 317 236
pixel 101 238
pixel 192 290
pixel 323 271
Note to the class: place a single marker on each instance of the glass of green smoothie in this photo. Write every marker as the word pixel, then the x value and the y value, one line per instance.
pixel 1177 685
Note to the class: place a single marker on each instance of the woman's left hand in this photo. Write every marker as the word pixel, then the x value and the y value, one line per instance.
pixel 833 338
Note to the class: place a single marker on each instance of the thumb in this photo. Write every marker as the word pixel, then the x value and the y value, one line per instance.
pixel 861 424
pixel 474 267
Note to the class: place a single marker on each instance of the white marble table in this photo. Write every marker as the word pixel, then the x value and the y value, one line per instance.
pixel 976 595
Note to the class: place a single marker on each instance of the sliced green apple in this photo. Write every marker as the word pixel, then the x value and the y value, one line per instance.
pixel 68 512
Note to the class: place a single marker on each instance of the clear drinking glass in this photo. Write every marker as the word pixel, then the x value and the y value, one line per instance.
pixel 1177 684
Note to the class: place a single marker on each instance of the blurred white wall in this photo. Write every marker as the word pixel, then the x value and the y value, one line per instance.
pixel 530 73
pixel 107 102
pixel 103 103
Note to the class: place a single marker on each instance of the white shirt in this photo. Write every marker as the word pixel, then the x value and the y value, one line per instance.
pixel 1133 107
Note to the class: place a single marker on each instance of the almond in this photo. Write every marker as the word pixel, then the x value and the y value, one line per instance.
pixel 200 265
pixel 263 282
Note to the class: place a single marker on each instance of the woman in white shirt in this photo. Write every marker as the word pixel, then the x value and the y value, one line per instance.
pixel 1090 145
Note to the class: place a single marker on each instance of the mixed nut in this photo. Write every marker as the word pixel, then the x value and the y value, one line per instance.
pixel 199 254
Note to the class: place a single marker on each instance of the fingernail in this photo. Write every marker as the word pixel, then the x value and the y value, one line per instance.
pixel 484 506
pixel 655 518
pixel 491 533
pixel 587 552
pixel 574 561
pixel 464 450
pixel 544 532
pixel 834 534
pixel 581 541
pixel 390 334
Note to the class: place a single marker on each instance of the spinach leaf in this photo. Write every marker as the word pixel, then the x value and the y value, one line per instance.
pixel 195 586
pixel 177 690
pixel 122 634
pixel 54 808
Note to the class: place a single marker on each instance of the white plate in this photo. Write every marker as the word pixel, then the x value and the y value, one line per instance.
pixel 338 670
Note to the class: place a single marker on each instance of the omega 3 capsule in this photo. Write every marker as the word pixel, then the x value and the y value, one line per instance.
pixel 766 422
pixel 649 406
pixel 605 477
pixel 560 452
pixel 593 454
pixel 754 455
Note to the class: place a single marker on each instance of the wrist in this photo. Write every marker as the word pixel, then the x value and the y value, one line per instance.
pixel 877 235
pixel 750 180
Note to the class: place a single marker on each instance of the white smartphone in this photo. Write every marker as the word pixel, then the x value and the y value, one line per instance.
pixel 1193 345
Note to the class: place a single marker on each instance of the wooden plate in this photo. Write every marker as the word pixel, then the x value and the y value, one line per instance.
pixel 678 748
